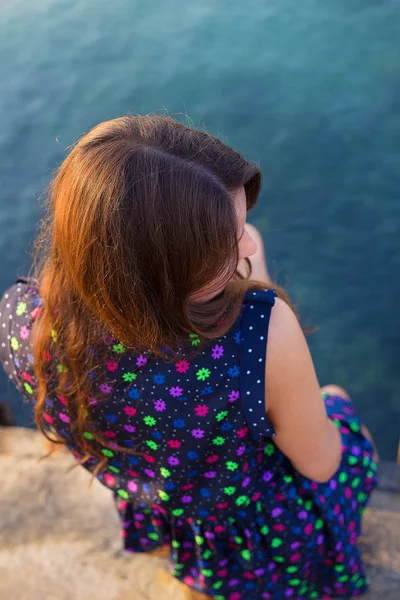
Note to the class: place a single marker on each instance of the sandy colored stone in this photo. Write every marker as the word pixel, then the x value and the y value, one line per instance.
pixel 60 539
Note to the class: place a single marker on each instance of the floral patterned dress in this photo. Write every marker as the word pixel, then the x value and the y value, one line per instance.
pixel 207 479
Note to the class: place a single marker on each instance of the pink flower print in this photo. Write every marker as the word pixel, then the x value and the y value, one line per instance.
pixel 47 417
pixel 174 443
pixel 105 388
pixel 172 460
pixel 27 377
pixel 198 433
pixel 201 410
pixel 92 401
pixel 24 332
pixel 132 486
pixel 159 405
pixel 182 366
pixel 111 365
pixel 176 391
pixel 46 356
pixel 217 351
pixel 233 396
pixel 149 458
pixel 109 434
pixel 186 499
pixel 36 312
pixel 242 432
pixel 108 339
pixel 210 474
pixel 213 458
pixel 130 411
pixel 241 450
pixel 109 479
pixel 149 473
pixel 63 417
pixel 141 361
pixel 187 486
pixel 130 428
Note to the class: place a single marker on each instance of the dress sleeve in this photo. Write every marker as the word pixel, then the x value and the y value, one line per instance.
pixel 19 307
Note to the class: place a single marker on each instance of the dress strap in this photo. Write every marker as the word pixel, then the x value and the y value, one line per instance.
pixel 254 333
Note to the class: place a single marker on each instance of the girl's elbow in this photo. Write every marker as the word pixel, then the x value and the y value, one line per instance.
pixel 321 471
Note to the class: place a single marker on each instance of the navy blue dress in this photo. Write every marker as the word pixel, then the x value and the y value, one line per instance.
pixel 207 479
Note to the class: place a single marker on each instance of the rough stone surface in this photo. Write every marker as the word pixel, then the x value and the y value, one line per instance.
pixel 59 539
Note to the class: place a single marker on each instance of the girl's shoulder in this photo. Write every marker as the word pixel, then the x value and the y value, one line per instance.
pixel 20 305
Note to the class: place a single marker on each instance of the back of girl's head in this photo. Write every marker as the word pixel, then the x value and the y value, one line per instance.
pixel 141 217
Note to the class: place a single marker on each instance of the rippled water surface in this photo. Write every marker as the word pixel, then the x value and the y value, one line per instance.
pixel 310 90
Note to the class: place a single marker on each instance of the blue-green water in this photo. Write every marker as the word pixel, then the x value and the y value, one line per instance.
pixel 310 90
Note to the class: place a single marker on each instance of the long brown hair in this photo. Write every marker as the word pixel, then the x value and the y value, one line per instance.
pixel 139 217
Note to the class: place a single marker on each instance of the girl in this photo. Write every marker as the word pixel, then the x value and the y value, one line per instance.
pixel 184 386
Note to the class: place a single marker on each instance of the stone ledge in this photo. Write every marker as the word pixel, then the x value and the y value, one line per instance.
pixel 60 540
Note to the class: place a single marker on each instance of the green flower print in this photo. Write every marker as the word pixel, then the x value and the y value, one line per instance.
pixel 218 441
pixel 28 387
pixel 163 495
pixel 151 444
pixel 119 348
pixel 21 308
pixel 231 466
pixel 269 450
pixel 221 415
pixel 203 374
pixel 242 501
pixel 194 339
pixel 150 421
pixel 14 343
pixel 130 376
pixel 108 453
